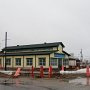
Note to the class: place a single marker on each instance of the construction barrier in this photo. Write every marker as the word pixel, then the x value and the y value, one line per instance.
pixel 62 68
pixel 87 71
pixel 32 72
pixel 41 72
pixel 17 73
pixel 50 71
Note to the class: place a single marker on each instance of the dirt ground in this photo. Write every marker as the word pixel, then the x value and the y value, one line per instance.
pixel 40 84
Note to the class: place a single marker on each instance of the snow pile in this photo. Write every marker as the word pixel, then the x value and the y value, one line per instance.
pixel 74 72
pixel 82 70
pixel 7 72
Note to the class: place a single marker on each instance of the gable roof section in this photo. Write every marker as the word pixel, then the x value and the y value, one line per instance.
pixel 66 53
pixel 32 46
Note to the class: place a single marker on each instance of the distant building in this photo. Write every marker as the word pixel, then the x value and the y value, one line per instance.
pixel 36 55
pixel 73 62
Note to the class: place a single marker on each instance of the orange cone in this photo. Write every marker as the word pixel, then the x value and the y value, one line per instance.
pixel 87 71
pixel 50 71
pixel 17 73
pixel 62 68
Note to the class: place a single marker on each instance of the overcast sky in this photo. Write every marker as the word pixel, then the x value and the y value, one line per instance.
pixel 39 21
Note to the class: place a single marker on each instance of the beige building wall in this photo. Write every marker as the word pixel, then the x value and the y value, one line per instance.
pixel 23 61
pixel 52 55
pixel 60 48
pixel 29 57
pixel 42 56
pixel 72 62
pixel 1 61
pixel 66 56
pixel 54 48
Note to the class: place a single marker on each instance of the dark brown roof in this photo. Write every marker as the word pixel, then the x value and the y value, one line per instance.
pixel 66 53
pixel 45 45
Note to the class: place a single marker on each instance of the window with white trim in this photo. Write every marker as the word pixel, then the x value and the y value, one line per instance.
pixel 8 61
pixel 42 61
pixel 53 61
pixel 18 61
pixel 29 61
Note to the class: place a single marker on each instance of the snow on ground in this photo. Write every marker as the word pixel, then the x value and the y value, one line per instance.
pixel 6 72
pixel 74 72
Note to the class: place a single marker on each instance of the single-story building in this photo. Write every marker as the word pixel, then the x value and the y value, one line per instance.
pixel 74 62
pixel 36 55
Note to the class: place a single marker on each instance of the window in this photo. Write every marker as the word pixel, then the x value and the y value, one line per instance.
pixel 8 61
pixel 53 61
pixel 60 61
pixel 29 61
pixel 65 62
pixel 18 61
pixel 42 61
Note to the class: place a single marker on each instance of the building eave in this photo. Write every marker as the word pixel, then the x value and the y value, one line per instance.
pixel 28 53
pixel 66 53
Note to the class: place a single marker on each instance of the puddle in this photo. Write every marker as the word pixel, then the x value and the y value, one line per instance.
pixel 81 81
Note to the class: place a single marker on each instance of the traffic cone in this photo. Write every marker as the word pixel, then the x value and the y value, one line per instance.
pixel 50 71
pixel 87 71
pixel 17 73
pixel 62 68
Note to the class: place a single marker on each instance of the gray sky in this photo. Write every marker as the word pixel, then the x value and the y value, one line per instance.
pixel 39 21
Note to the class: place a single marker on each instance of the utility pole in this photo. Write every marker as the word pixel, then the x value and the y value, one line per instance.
pixel 5 51
pixel 81 57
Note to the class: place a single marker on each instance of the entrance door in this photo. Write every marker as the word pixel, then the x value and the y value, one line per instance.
pixel 59 63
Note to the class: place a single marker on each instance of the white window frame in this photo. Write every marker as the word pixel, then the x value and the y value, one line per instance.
pixel 42 61
pixel 18 61
pixel 8 61
pixel 53 62
pixel 29 61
